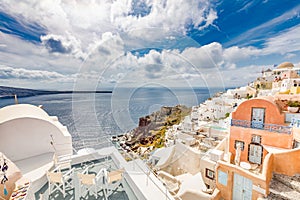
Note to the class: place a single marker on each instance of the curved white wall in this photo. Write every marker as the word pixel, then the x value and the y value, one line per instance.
pixel 22 110
pixel 26 135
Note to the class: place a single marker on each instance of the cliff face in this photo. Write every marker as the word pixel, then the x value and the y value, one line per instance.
pixel 144 121
pixel 151 129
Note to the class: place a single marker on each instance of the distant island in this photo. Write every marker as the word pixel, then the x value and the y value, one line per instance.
pixel 9 92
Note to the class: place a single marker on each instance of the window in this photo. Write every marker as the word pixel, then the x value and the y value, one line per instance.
pixel 209 174
pixel 255 153
pixel 241 143
pixel 222 177
pixel 256 139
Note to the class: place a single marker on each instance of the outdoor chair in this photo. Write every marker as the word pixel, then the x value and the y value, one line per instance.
pixel 60 181
pixel 92 183
pixel 114 180
pixel 63 161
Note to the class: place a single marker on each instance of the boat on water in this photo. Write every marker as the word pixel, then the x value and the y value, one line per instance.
pixel 38 161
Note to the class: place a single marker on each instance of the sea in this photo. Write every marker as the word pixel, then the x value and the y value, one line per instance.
pixel 92 118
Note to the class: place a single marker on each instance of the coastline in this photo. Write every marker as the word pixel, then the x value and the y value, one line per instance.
pixel 204 117
pixel 10 92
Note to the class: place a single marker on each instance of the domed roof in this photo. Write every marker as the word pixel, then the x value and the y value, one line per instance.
pixel 287 65
pixel 22 111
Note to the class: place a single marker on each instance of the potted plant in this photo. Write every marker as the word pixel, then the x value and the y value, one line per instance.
pixel 293 106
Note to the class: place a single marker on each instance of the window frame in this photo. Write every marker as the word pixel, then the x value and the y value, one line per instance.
pixel 242 144
pixel 208 173
pixel 256 139
pixel 251 154
pixel 254 123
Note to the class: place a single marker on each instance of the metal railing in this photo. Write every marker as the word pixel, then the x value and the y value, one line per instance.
pixel 135 164
pixel 147 173
pixel 262 126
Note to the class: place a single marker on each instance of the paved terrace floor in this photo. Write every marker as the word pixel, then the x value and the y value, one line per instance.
pixel 122 192
pixel 138 183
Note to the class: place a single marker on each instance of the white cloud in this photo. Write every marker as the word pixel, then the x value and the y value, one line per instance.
pixel 21 73
pixel 106 59
pixel 67 44
pixel 88 41
pixel 48 13
pixel 242 75
pixel 290 55
pixel 246 6
pixel 165 17
pixel 23 54
pixel 235 54
pixel 88 31
pixel 153 57
pixel 207 56
pixel 284 43
pixel 83 19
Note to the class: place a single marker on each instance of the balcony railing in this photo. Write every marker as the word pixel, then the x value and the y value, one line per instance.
pixel 268 127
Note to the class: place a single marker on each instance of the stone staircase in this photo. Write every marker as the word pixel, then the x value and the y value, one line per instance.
pixel 284 187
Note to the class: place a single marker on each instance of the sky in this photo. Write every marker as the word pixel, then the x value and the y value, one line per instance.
pixel 95 44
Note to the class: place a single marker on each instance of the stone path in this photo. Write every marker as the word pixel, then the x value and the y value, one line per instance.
pixel 285 187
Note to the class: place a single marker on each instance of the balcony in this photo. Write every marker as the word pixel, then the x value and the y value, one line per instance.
pixel 267 127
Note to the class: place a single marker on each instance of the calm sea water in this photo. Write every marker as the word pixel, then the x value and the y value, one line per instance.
pixel 93 118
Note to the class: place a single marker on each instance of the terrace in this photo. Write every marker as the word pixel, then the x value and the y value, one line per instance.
pixel 123 181
pixel 121 192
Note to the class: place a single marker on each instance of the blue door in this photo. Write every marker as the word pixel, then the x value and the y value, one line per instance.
pixel 242 188
pixel 258 118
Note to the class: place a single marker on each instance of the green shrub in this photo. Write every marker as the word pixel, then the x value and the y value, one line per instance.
pixel 294 104
pixel 227 115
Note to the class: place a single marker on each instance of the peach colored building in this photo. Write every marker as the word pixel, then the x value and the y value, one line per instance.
pixel 261 142
pixel 257 123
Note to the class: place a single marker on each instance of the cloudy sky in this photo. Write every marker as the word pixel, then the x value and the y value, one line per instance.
pixel 56 44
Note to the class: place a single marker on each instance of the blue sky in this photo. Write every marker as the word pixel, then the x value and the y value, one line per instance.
pixel 48 44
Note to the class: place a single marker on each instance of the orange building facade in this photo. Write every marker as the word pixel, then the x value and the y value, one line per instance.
pixel 260 141
pixel 257 123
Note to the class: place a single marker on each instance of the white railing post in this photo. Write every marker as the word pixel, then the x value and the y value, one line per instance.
pixel 148 173
pixel 166 192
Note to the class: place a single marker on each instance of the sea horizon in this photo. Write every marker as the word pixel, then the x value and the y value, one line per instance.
pixel 93 117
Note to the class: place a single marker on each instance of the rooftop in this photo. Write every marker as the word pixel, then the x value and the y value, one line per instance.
pixel 285 65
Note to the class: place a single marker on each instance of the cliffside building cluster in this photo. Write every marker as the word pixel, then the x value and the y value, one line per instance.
pixel 235 145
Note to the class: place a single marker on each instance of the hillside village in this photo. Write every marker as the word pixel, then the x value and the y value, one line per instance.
pixel 240 144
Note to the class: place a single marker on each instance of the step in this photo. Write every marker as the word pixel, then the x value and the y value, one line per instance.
pixel 279 190
pixel 290 181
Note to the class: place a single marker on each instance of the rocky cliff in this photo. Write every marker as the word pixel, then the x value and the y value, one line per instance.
pixel 152 128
